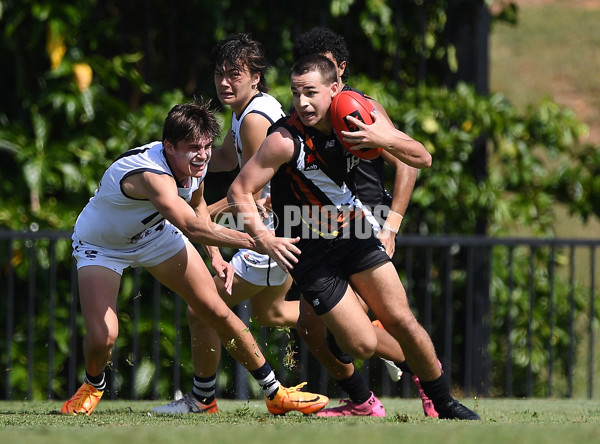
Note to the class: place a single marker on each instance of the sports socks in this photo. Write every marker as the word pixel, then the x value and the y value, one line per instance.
pixel 205 388
pixel 404 367
pixel 438 391
pixel 98 382
pixel 267 380
pixel 356 387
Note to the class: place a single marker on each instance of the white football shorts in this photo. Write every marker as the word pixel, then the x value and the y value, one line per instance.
pixel 167 244
pixel 258 269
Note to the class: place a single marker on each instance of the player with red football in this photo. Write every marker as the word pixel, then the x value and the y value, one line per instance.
pixel 308 167
pixel 366 181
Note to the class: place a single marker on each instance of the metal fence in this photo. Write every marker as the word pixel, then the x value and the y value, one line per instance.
pixel 508 317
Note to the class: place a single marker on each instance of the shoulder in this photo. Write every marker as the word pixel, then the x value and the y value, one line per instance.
pixel 264 105
pixel 279 145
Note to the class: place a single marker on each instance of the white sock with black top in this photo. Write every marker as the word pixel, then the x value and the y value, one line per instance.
pixel 267 380
pixel 205 388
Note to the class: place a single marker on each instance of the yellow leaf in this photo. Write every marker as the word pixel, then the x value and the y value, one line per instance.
pixel 83 75
pixel 430 125
pixel 55 47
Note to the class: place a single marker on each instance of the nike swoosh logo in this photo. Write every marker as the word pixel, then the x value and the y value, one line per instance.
pixel 316 398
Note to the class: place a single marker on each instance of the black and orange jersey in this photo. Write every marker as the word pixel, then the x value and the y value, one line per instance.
pixel 310 191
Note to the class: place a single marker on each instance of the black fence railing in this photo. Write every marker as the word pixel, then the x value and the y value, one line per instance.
pixel 508 317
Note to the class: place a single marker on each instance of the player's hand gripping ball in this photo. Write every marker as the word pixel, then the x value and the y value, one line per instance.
pixel 350 103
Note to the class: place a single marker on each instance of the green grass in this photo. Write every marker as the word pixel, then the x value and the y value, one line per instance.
pixel 504 420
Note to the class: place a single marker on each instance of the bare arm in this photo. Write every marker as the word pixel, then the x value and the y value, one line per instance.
pixel 382 133
pixel 224 158
pixel 405 177
pixel 192 219
pixel 277 149
pixel 252 133
pixel 220 266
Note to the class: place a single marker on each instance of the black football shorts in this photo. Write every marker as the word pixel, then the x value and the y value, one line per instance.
pixel 325 265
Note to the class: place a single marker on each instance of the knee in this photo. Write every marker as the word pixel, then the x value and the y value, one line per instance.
pixel 102 340
pixel 271 317
pixel 403 327
pixel 363 348
pixel 268 319
pixel 192 317
pixel 219 318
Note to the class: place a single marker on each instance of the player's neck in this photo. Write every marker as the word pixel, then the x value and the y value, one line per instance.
pixel 238 110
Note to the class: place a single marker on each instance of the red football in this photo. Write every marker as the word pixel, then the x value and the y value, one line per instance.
pixel 351 103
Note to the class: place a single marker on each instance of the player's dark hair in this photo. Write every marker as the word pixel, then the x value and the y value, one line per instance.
pixel 320 40
pixel 240 50
pixel 316 62
pixel 191 122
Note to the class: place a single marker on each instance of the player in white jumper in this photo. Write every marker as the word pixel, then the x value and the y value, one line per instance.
pixel 148 204
pixel 240 68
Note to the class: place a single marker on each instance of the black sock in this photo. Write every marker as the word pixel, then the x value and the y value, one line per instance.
pixel 204 389
pixel 404 367
pixel 98 382
pixel 356 387
pixel 438 391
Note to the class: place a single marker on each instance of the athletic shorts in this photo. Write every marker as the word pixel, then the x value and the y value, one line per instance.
pixel 258 269
pixel 164 246
pixel 324 268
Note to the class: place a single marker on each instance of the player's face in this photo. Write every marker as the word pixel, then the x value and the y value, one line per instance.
pixel 312 99
pixel 235 87
pixel 189 159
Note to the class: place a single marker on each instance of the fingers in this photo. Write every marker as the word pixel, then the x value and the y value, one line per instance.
pixel 226 273
pixel 262 211
pixel 284 252
pixel 267 203
pixel 366 136
pixel 229 279
pixel 388 241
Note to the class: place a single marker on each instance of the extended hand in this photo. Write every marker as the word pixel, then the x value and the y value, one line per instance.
pixel 281 249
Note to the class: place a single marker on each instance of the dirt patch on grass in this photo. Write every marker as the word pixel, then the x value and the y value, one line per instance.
pixel 583 4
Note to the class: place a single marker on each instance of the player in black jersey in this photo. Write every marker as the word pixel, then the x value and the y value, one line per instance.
pixel 336 255
pixel 367 182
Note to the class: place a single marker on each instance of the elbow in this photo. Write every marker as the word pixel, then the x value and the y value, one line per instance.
pixel 427 160
pixel 232 193
pixel 424 158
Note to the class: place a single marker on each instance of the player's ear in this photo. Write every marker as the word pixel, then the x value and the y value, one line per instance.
pixel 335 88
pixel 255 80
pixel 341 69
pixel 168 146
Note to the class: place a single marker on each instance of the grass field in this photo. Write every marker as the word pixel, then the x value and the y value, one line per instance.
pixel 504 421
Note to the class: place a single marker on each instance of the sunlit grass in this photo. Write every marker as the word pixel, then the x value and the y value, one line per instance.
pixel 531 421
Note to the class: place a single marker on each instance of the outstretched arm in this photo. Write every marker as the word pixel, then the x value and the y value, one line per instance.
pixel 192 219
pixel 277 149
